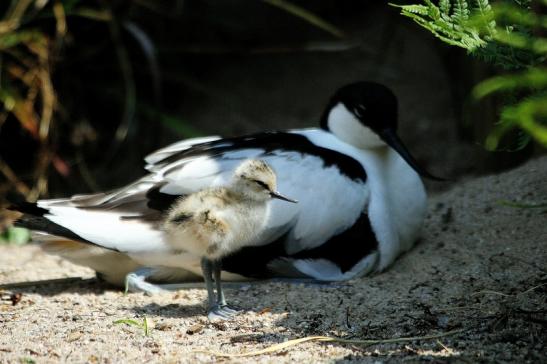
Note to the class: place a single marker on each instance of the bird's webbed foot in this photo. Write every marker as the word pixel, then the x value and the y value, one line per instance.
pixel 221 312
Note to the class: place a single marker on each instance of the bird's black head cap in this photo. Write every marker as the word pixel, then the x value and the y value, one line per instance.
pixel 374 106
pixel 372 103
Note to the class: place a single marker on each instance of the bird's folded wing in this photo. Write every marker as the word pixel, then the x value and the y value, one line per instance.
pixel 126 219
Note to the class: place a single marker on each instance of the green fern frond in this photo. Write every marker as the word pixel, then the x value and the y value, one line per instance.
pixel 444 6
pixel 483 7
pixel 522 41
pixel 461 12
pixel 533 78
pixel 530 115
pixel 485 12
pixel 500 34
pixel 413 9
pixel 447 26
pixel 523 139
pixel 434 12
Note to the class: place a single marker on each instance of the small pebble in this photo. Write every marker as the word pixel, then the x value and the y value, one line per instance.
pixel 194 329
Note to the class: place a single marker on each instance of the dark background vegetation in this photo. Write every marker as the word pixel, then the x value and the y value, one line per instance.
pixel 131 76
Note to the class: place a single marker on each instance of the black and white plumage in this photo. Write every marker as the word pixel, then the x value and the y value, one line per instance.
pixel 361 201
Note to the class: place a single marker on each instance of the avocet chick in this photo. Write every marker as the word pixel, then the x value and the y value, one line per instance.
pixel 215 222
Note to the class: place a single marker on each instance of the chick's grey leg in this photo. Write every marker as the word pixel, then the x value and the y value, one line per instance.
pixel 221 300
pixel 215 310
pixel 207 269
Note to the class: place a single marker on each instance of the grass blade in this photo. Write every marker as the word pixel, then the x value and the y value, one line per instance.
pixel 302 340
pixel 307 16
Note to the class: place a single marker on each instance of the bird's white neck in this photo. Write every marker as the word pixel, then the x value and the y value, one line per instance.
pixel 347 127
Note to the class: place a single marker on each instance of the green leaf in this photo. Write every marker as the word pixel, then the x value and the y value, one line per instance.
pixel 128 322
pixel 144 325
pixel 15 235
pixel 27 361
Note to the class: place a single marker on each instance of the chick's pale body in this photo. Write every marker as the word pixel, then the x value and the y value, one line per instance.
pixel 217 221
pixel 214 222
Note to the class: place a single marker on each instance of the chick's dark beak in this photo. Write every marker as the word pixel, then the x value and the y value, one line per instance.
pixel 393 141
pixel 275 194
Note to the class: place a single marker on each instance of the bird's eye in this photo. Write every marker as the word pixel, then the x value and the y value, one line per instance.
pixel 359 110
pixel 261 184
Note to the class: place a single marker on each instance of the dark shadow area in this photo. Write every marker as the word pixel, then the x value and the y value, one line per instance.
pixel 152 75
pixel 172 310
pixel 60 286
pixel 233 293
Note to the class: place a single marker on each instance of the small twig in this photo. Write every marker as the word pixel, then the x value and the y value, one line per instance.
pixel 12 178
pixel 12 19
pixel 532 289
pixel 444 347
pixel 528 312
pixel 505 294
pixel 522 205
pixel 459 308
pixel 486 291
pixel 307 16
pixel 294 342
pixel 323 46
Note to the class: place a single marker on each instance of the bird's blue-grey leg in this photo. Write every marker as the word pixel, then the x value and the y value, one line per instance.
pixel 221 300
pixel 207 268
pixel 136 282
pixel 215 310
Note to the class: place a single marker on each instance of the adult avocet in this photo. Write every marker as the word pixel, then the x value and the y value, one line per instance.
pixel 361 201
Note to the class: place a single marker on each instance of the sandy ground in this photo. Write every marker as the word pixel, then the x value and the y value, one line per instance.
pixel 479 268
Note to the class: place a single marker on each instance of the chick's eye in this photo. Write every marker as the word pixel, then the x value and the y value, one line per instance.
pixel 261 184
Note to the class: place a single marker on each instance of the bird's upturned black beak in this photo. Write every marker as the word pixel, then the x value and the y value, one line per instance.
pixel 393 141
pixel 279 196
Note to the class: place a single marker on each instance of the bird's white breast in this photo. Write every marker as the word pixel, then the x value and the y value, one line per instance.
pixel 394 195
